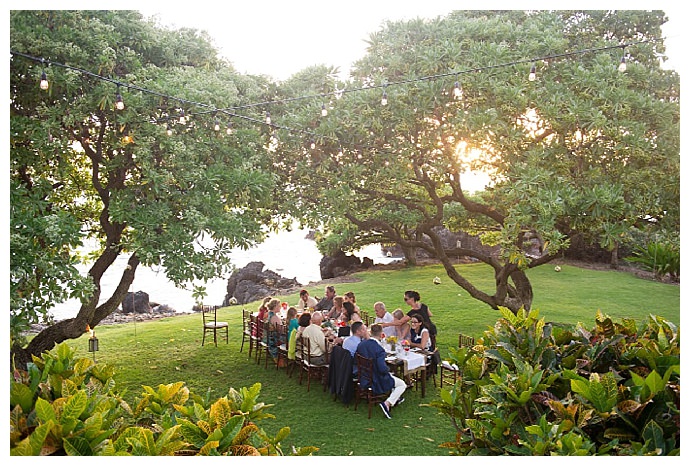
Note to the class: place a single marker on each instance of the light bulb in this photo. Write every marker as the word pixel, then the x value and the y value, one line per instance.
pixel 182 119
pixel 623 66
pixel 457 91
pixel 228 129
pixel 312 144
pixel 119 104
pixel 268 118
pixel 533 73
pixel 324 110
pixel 216 126
pixel 169 130
pixel 384 98
pixel 44 81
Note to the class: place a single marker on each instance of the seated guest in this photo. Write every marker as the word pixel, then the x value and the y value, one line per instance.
pixel 376 333
pixel 349 314
pixel 350 296
pixel 305 302
pixel 303 322
pixel 401 331
pixel 337 308
pixel 274 322
pixel 420 337
pixel 317 340
pixel 326 302
pixel 382 316
pixel 261 315
pixel 358 333
pixel 383 380
pixel 291 319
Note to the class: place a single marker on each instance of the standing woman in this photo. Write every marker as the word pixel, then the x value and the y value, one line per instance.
pixel 413 300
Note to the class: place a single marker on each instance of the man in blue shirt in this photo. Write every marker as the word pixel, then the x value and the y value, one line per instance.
pixel 358 333
pixel 383 381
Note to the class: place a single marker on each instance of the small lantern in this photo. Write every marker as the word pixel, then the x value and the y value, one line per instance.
pixel 93 342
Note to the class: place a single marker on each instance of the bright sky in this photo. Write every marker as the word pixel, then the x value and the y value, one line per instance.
pixel 279 38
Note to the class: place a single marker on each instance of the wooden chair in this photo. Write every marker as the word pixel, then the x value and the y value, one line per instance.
pixel 297 361
pixel 365 377
pixel 311 369
pixel 282 346
pixel 262 348
pixel 212 325
pixel 450 374
pixel 246 328
pixel 255 331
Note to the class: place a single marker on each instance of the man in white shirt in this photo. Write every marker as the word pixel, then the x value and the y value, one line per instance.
pixel 317 340
pixel 383 316
pixel 305 302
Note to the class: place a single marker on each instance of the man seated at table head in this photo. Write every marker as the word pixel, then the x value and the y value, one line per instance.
pixel 383 316
pixel 358 333
pixel 317 339
pixel 326 302
pixel 305 301
pixel 383 381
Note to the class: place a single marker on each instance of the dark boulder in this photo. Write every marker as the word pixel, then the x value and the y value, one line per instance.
pixel 136 303
pixel 340 264
pixel 253 283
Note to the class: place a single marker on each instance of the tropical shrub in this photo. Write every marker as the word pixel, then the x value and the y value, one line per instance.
pixel 529 387
pixel 661 257
pixel 62 405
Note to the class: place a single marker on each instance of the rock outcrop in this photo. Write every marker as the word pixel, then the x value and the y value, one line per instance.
pixel 341 264
pixel 252 283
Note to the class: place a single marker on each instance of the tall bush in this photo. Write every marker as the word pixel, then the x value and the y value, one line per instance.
pixel 66 406
pixel 531 387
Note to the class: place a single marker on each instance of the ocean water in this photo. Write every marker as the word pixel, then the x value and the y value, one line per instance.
pixel 287 253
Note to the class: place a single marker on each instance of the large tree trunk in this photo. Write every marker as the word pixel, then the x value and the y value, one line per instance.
pixel 68 329
pixel 410 254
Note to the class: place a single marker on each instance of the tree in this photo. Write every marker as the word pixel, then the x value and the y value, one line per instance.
pixel 582 149
pixel 80 169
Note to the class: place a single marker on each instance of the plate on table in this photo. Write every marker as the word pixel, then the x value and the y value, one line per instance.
pixel 390 358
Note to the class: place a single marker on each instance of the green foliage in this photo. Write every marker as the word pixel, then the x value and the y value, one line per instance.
pixel 530 399
pixel 662 258
pixel 68 405
pixel 83 172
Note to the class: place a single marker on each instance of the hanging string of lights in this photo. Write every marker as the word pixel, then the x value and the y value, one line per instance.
pixel 231 112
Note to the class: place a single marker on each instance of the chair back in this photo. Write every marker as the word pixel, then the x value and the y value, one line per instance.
pixel 464 340
pixel 209 314
pixel 246 317
pixel 365 371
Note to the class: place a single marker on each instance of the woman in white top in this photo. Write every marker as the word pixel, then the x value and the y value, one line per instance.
pixel 419 334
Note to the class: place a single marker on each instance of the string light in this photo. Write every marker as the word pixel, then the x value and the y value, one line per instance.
pixel 228 129
pixel 119 104
pixel 44 81
pixel 169 130
pixel 457 91
pixel 533 72
pixel 312 144
pixel 216 125
pixel 183 119
pixel 623 66
pixel 324 111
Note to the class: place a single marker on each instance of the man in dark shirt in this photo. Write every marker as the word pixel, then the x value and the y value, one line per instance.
pixel 326 302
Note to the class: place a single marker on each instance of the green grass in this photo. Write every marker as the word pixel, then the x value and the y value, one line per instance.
pixel 169 350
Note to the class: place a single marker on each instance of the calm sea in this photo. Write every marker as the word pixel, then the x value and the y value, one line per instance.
pixel 287 253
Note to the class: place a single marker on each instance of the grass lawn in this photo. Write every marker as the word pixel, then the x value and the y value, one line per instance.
pixel 169 350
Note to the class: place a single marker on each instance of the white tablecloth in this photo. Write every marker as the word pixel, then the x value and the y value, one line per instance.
pixel 413 360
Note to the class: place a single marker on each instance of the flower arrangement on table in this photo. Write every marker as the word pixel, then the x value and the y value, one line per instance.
pixel 392 339
pixel 405 344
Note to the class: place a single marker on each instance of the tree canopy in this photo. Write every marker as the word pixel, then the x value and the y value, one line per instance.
pixel 581 149
pixel 80 169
